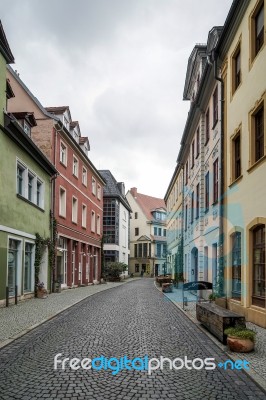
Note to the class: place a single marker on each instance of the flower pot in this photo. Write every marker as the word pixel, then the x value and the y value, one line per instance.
pixel 240 345
pixel 41 293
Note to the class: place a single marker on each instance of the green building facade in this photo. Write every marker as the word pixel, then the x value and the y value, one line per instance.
pixel 25 198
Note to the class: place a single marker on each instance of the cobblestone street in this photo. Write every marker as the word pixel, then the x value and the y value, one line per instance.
pixel 131 320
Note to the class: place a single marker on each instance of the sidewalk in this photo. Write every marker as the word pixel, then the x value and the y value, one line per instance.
pixel 257 358
pixel 15 321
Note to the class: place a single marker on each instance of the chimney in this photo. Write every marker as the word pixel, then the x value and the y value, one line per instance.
pixel 134 191
pixel 121 187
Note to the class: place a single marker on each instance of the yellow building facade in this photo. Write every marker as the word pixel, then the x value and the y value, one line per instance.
pixel 242 55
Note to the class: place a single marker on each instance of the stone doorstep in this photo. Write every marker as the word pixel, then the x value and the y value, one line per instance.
pixel 6 342
pixel 261 382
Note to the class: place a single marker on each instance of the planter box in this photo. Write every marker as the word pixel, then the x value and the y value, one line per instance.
pixel 216 319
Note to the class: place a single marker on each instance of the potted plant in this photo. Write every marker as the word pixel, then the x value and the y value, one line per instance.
pixel 41 291
pixel 240 340
pixel 212 297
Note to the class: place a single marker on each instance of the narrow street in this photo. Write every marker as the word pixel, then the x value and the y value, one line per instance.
pixel 131 320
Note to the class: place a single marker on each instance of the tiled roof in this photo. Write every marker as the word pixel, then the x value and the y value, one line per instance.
pixel 112 189
pixel 148 203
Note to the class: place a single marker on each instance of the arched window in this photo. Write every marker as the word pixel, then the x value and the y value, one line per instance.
pixel 259 283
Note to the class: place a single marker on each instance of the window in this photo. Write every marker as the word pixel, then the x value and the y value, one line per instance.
pixel 159 231
pixel 136 231
pixel 65 122
pixel 215 106
pixel 93 186
pixel 197 143
pixel 192 154
pixel 197 200
pixel 257 30
pixel 135 250
pixel 99 192
pixel 215 181
pixel 136 268
pixel 192 208
pixel 38 193
pixel 164 232
pixel 93 221
pixel 259 283
pixel 140 250
pixel 62 202
pixel 30 186
pixel 98 225
pixel 74 209
pixel 236 69
pixel 75 166
pixel 158 250
pixel 20 179
pixel 236 265
pixel 84 216
pixel 207 126
pixel 145 249
pixel 136 215
pixel 237 156
pixel 155 231
pixel 28 267
pixel 259 134
pixel 186 172
pixel 84 176
pixel 27 128
pixel 186 218
pixel 63 153
pixel 207 192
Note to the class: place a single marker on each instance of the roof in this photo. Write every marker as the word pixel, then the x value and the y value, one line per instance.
pixel 28 116
pixel 4 46
pixel 13 129
pixel 149 204
pixel 112 188
pixel 73 124
pixel 57 110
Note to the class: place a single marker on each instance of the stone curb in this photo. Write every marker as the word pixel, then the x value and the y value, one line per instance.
pixel 25 331
pixel 251 373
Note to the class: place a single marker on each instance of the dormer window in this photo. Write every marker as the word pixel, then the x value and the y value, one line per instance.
pixel 27 128
pixel 65 122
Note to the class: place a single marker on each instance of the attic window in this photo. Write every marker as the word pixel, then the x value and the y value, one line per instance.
pixel 27 128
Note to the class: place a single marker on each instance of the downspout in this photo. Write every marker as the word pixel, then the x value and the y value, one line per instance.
pixel 221 225
pixel 183 219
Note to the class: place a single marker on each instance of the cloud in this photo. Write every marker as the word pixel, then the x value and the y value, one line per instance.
pixel 120 65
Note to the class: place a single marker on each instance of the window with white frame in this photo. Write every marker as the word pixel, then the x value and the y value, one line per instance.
pixel 27 128
pixel 29 185
pixel 74 209
pixel 75 166
pixel 84 176
pixel 84 216
pixel 21 179
pixel 93 221
pixel 63 153
pixel 93 186
pixel 99 192
pixel 62 202
pixel 98 225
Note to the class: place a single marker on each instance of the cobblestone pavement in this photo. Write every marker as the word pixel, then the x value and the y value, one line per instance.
pixel 16 319
pixel 134 319
pixel 257 358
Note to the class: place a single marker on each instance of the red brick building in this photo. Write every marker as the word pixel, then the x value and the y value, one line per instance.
pixel 77 190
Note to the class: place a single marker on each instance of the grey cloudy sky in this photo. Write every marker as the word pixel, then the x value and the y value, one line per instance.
pixel 120 65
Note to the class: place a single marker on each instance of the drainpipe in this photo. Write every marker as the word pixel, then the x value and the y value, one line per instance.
pixel 221 227
pixel 183 219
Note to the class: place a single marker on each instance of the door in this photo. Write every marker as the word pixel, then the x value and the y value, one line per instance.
pixel 12 266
